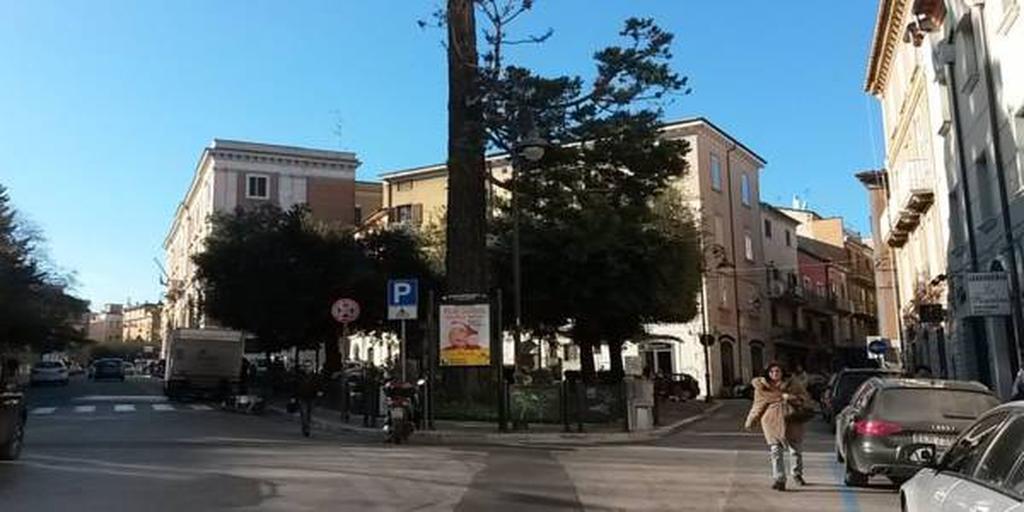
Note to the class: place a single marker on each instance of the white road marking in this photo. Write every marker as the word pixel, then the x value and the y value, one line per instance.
pixel 39 411
pixel 121 398
pixel 85 408
pixel 163 407
pixel 201 407
pixel 124 408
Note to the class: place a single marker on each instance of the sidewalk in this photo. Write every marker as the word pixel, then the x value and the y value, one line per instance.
pixel 478 432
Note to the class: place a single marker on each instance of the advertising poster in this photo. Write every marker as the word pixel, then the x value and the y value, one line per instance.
pixel 465 335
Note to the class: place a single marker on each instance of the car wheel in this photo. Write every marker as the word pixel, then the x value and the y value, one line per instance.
pixel 11 450
pixel 854 478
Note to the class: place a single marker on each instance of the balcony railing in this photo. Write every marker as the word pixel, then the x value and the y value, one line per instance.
pixel 912 186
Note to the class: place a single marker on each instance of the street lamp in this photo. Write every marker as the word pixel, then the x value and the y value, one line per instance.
pixel 530 149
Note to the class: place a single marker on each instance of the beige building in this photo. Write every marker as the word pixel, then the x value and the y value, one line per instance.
pixel 233 174
pixel 141 323
pixel 723 188
pixel 106 326
pixel 950 80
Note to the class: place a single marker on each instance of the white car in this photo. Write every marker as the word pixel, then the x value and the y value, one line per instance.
pixel 47 372
pixel 983 470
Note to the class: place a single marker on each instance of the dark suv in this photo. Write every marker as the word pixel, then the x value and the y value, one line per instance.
pixel 12 413
pixel 886 415
pixel 843 385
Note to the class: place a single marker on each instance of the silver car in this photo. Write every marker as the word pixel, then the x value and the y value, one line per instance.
pixel 983 470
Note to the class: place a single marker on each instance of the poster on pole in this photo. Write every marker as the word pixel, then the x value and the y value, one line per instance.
pixel 465 335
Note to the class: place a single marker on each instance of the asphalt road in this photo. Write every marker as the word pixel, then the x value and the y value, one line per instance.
pixel 118 446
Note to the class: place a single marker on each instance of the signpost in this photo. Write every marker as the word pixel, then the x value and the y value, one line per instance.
pixel 877 347
pixel 403 304
pixel 344 311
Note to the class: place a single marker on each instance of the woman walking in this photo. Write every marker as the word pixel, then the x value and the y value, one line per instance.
pixel 781 405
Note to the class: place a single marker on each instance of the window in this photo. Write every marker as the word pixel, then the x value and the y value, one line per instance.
pixel 963 456
pixel 403 213
pixel 724 297
pixel 967 60
pixel 807 283
pixel 789 241
pixel 1006 449
pixel 404 185
pixel 745 189
pixel 775 315
pixel 257 187
pixel 716 173
pixel 358 217
pixel 767 228
pixel 719 235
pixel 748 245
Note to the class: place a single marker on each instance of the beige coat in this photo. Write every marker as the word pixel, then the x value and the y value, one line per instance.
pixel 769 407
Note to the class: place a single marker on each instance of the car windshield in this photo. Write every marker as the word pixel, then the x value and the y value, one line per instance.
pixel 929 404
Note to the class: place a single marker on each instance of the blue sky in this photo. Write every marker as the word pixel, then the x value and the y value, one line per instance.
pixel 105 105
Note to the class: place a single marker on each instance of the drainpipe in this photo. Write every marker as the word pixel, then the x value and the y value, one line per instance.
pixel 997 153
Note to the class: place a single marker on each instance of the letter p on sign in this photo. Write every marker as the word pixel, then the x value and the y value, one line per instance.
pixel 403 298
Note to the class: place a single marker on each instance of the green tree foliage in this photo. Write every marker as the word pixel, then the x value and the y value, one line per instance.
pixel 36 310
pixel 607 247
pixel 275 273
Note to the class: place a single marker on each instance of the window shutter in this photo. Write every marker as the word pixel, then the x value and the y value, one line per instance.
pixel 417 214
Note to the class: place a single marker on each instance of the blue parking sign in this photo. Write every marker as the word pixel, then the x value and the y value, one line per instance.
pixel 403 299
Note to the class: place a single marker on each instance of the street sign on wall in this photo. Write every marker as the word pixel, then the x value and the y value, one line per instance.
pixel 988 294
pixel 403 299
pixel 877 345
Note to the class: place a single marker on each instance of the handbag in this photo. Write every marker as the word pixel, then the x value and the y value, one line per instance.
pixel 798 414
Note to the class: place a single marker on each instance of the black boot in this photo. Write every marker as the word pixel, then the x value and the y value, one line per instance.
pixel 779 485
pixel 799 479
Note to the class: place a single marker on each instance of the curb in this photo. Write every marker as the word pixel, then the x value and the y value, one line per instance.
pixel 517 438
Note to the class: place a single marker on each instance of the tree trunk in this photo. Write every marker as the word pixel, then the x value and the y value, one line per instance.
pixel 587 361
pixel 615 355
pixel 466 255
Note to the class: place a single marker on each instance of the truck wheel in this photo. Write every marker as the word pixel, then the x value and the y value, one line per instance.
pixel 11 450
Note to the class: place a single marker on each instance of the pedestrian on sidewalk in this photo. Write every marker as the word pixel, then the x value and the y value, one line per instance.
pixel 308 387
pixel 781 405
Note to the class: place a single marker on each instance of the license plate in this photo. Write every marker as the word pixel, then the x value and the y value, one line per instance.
pixel 940 442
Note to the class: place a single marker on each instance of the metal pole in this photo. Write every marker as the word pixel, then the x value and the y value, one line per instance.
pixel 517 277
pixel 500 366
pixel 344 375
pixel 401 352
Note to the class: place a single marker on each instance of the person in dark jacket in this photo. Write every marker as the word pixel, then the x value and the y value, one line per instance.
pixel 308 386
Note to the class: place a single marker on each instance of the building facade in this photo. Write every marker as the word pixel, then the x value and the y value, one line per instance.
pixel 106 326
pixel 233 174
pixel 950 80
pixel 141 323
pixel 722 187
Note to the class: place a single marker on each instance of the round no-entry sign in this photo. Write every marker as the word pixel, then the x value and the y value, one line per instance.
pixel 345 310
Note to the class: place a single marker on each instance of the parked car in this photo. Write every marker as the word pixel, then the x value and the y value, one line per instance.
pixel 886 415
pixel 108 369
pixel 985 465
pixel 842 386
pixel 48 372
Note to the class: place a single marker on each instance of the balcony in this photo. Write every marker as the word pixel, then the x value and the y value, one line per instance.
pixel 913 186
pixel 780 290
pixel 892 234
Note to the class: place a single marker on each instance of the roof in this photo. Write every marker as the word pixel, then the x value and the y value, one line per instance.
pixel 681 123
pixel 908 383
pixel 278 149
pixel 766 207
pixel 872 179
pixel 821 250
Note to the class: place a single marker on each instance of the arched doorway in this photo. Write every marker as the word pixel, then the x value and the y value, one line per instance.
pixel 728 362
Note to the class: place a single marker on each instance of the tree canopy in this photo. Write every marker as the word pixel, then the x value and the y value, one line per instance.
pixel 36 309
pixel 607 245
pixel 275 274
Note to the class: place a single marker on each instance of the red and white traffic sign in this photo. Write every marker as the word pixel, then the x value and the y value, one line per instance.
pixel 345 310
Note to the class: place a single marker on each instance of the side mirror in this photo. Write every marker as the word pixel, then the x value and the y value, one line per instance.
pixel 918 454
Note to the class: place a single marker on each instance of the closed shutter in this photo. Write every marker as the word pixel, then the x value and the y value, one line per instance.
pixel 417 214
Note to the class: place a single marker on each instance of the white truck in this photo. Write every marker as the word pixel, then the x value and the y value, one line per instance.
pixel 203 362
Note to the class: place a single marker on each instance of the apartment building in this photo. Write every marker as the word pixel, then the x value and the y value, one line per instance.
pixel 234 174
pixel 950 81
pixel 106 325
pixel 723 188
pixel 141 323
pixel 786 293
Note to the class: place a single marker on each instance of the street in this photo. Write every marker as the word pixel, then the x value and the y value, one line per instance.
pixel 119 446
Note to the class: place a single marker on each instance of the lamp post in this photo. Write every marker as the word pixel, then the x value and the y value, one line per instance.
pixel 530 149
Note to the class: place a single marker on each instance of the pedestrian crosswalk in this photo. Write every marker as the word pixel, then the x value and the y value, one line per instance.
pixel 118 408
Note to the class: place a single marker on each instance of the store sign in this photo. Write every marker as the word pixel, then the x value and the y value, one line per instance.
pixel 988 294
